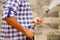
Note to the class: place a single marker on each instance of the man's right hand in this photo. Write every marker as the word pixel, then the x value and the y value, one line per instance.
pixel 30 33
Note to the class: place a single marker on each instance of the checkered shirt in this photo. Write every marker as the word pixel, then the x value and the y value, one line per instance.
pixel 22 12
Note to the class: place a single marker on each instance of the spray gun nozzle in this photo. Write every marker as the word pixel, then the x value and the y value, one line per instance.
pixel 47 10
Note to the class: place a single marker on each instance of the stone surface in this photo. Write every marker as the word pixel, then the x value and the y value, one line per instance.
pixel 53 37
pixel 0 11
pixel 50 28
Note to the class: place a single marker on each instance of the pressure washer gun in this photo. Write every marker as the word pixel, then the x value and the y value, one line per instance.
pixel 34 25
pixel 45 13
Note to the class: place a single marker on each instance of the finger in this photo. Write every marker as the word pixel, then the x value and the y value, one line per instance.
pixel 34 21
pixel 31 31
pixel 39 20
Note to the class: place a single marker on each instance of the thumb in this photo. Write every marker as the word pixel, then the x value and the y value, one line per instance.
pixel 34 21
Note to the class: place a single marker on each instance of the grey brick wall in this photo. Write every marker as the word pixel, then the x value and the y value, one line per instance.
pixel 0 11
pixel 50 28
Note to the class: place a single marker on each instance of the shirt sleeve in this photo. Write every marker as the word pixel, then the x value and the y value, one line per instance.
pixel 7 6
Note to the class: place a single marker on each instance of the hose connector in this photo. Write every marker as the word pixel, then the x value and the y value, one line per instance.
pixel 47 10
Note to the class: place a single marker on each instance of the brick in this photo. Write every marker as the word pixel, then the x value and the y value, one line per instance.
pixel 53 14
pixel 53 37
pixel 33 2
pixel 59 26
pixel 56 8
pixel 59 14
pixel 50 20
pixel 34 13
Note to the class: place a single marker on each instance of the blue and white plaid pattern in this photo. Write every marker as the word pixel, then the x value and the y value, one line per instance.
pixel 22 12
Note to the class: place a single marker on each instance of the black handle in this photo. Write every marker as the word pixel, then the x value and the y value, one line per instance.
pixel 29 38
pixel 32 27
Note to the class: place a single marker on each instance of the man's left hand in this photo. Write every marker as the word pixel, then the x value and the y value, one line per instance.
pixel 37 20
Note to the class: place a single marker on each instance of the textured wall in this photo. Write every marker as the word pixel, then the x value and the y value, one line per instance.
pixel 50 28
pixel 0 11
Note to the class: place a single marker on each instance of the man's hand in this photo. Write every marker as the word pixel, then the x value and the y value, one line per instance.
pixel 37 20
pixel 30 33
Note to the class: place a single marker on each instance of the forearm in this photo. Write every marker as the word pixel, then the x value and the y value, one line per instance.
pixel 14 23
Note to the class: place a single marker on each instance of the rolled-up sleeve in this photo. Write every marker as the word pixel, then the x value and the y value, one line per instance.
pixel 9 6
